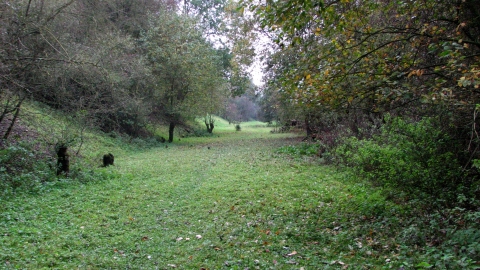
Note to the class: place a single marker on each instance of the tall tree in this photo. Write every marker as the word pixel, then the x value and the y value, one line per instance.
pixel 25 44
pixel 185 66
pixel 377 56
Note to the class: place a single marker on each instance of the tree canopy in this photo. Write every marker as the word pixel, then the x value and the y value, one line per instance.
pixel 120 63
pixel 372 57
pixel 186 68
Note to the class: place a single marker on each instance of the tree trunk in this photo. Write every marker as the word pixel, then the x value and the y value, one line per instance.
pixel 311 135
pixel 210 126
pixel 170 131
pixel 5 111
pixel 308 128
pixel 15 116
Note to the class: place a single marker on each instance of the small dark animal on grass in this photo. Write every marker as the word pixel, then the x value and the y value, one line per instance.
pixel 107 160
pixel 63 161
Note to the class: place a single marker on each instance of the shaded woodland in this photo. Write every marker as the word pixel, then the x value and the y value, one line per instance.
pixel 390 88
pixel 120 65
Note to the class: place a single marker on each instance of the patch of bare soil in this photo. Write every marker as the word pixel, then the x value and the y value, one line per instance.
pixel 19 133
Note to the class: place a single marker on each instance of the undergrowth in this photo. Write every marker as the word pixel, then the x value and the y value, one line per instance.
pixel 408 162
pixel 425 236
pixel 238 200
pixel 410 158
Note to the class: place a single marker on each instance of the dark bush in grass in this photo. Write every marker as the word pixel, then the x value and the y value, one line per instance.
pixel 409 157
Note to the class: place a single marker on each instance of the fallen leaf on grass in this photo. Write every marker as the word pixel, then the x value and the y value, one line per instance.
pixel 341 263
pixel 118 251
pixel 291 254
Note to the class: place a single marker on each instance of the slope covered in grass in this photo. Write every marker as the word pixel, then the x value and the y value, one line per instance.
pixel 231 201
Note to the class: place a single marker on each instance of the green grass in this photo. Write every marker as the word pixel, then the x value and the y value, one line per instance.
pixel 229 201
pixel 252 208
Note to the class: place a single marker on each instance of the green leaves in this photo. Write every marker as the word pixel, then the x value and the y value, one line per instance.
pixel 187 68
pixel 356 50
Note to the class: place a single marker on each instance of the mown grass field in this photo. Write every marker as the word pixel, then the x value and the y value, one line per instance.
pixel 229 201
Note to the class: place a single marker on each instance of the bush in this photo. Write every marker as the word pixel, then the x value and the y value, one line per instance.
pixel 407 156
pixel 20 168
pixel 237 127
pixel 23 167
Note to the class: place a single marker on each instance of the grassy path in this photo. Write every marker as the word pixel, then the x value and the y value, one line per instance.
pixel 223 203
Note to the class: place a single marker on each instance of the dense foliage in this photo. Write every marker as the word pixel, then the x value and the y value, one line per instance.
pixel 120 65
pixel 409 158
pixel 339 67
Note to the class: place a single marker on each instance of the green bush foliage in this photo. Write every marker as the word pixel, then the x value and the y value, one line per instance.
pixel 25 168
pixel 21 169
pixel 303 149
pixel 407 156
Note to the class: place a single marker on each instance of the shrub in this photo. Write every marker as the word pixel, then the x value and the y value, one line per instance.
pixel 407 156
pixel 237 127
pixel 20 168
pixel 23 167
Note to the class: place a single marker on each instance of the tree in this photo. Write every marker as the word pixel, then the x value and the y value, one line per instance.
pixel 25 44
pixel 187 69
pixel 372 57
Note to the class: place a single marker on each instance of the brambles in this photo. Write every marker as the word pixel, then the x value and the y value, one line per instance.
pixel 407 156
